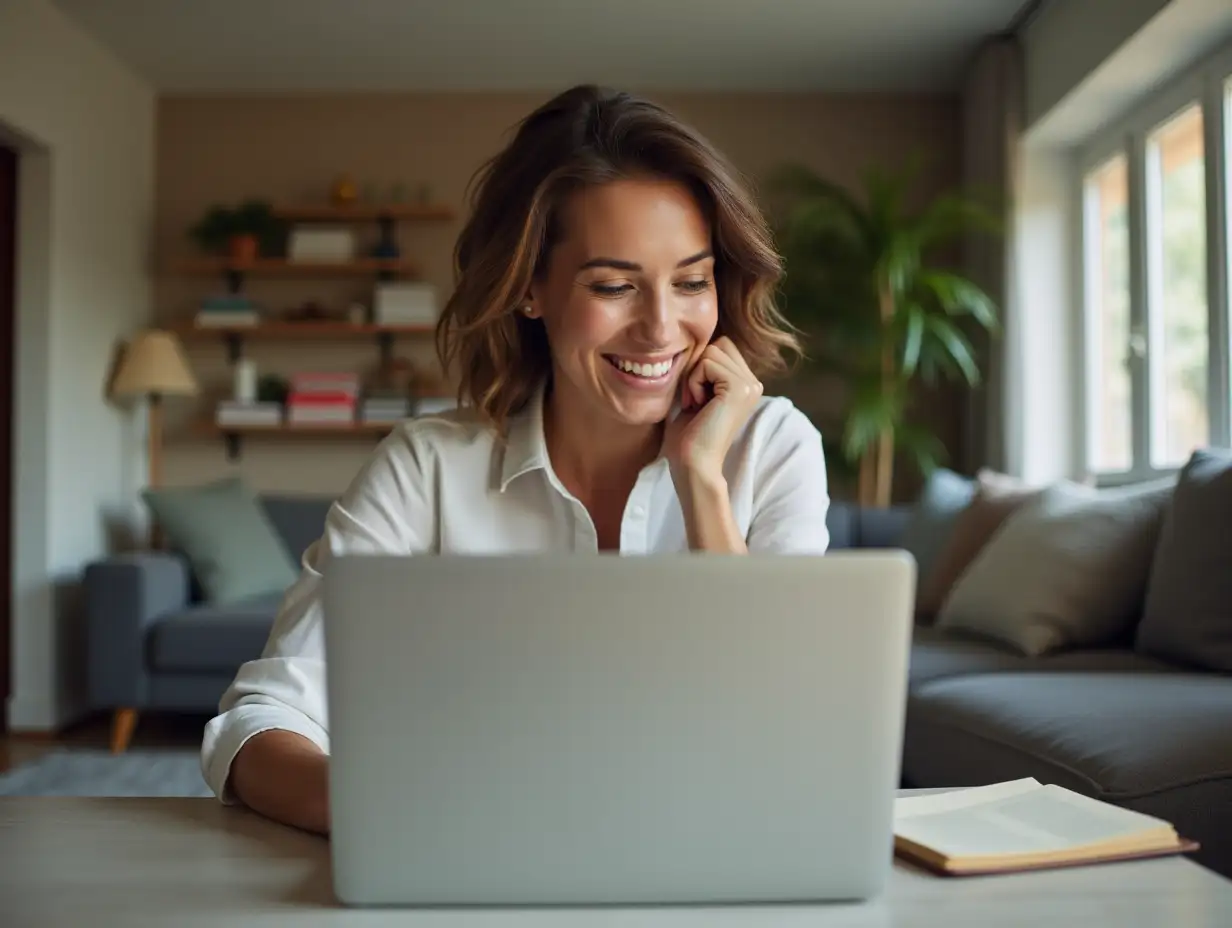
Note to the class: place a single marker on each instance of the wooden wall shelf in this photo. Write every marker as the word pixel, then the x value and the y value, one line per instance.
pixel 235 434
pixel 278 267
pixel 277 331
pixel 364 213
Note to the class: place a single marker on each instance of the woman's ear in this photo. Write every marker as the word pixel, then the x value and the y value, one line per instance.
pixel 529 306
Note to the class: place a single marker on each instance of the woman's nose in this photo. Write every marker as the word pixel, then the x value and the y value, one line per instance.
pixel 657 318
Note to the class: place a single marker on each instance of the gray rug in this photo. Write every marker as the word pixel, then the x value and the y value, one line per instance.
pixel 100 773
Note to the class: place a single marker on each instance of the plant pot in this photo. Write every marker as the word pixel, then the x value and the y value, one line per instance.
pixel 243 249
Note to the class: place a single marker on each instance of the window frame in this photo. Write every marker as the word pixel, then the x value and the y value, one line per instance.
pixel 1209 84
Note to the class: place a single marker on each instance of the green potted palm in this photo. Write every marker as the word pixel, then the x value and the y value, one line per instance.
pixel 864 282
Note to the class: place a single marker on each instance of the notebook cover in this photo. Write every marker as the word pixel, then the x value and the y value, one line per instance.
pixel 1185 847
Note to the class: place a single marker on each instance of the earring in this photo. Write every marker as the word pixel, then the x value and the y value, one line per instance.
pixel 528 309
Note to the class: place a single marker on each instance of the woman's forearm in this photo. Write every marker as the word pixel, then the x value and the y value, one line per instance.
pixel 285 777
pixel 708 518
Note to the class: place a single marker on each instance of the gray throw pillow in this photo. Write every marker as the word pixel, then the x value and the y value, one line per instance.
pixel 1187 616
pixel 943 498
pixel 1068 569
pixel 231 545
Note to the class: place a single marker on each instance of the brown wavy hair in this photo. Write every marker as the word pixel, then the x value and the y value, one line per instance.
pixel 585 136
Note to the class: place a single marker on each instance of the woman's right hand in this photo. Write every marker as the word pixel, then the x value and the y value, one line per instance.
pixel 284 777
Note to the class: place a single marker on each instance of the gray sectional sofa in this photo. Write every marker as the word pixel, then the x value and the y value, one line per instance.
pixel 1106 721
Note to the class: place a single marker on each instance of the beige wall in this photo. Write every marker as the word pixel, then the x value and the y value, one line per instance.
pixel 219 149
pixel 84 126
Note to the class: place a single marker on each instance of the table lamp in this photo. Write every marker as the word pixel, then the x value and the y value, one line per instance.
pixel 154 366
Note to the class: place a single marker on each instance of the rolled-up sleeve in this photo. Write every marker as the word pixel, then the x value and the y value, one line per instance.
pixel 386 509
pixel 791 496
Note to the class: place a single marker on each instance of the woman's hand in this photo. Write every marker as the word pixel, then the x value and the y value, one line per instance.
pixel 716 398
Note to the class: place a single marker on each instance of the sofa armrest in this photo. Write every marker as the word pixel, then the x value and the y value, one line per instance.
pixel 125 594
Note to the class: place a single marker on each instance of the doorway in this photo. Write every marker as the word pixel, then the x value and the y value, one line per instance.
pixel 8 301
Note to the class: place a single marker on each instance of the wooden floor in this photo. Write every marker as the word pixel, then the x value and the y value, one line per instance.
pixel 155 730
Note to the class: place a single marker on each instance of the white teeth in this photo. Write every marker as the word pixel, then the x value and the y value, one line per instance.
pixel 644 370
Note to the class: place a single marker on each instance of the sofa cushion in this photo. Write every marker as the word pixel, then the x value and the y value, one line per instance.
pixel 937 653
pixel 1187 614
pixel 841 523
pixel 931 522
pixel 1068 569
pixel 223 530
pixel 212 639
pixel 996 498
pixel 299 520
pixel 1160 742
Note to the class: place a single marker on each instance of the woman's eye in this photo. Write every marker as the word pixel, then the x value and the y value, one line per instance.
pixel 610 289
pixel 694 286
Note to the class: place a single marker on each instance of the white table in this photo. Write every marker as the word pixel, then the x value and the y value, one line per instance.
pixel 192 862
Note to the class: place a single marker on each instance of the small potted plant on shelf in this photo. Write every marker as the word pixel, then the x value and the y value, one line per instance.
pixel 241 233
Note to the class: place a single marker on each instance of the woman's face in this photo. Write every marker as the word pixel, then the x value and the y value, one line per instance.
pixel 628 298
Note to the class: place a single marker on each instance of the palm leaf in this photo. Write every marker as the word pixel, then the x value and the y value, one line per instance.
pixel 956 345
pixel 958 296
pixel 950 217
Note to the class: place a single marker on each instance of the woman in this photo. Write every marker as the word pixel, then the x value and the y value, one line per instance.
pixel 612 315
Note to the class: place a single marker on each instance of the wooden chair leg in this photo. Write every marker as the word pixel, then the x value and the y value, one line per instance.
pixel 122 725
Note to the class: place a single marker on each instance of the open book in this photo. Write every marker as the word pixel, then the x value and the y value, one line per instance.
pixel 1023 825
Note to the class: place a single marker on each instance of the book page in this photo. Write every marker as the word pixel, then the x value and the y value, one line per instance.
pixel 945 800
pixel 1042 820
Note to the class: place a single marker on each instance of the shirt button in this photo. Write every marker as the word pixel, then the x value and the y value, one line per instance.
pixel 638 511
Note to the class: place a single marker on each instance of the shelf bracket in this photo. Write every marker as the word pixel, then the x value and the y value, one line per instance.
pixel 386 342
pixel 233 446
pixel 235 346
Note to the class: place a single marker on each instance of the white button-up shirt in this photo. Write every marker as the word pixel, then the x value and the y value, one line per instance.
pixel 448 484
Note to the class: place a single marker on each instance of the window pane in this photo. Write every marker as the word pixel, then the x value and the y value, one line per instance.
pixel 1176 241
pixel 1107 282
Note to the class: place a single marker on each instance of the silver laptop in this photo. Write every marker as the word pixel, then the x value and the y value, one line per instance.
pixel 589 730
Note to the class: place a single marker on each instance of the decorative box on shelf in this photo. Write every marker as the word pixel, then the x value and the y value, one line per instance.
pixel 405 303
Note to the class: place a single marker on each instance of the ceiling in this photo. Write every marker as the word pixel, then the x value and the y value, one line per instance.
pixel 534 45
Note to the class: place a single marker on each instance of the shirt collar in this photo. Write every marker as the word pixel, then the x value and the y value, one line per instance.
pixel 525 446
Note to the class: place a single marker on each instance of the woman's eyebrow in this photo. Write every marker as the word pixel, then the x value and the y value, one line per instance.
pixel 620 265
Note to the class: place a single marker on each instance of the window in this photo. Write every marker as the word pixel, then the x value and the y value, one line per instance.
pixel 1107 260
pixel 1177 308
pixel 1156 261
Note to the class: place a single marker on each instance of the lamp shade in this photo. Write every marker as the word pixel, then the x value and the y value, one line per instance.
pixel 154 362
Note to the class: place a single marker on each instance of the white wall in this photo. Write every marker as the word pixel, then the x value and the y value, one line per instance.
pixel 85 127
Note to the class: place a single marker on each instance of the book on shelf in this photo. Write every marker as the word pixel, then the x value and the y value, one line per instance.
pixel 1024 825
pixel 385 409
pixel 227 311
pixel 240 413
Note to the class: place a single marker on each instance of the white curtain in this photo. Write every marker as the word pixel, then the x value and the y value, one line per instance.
pixel 993 122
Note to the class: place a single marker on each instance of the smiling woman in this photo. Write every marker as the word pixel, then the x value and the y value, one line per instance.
pixel 612 318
